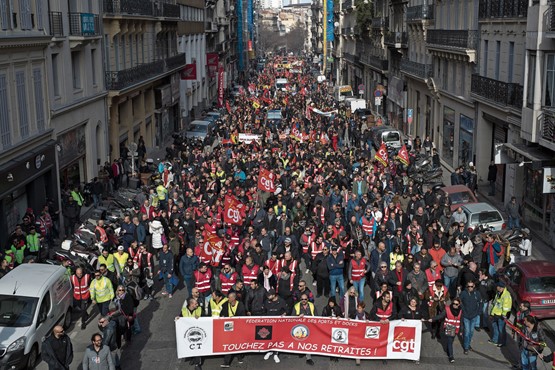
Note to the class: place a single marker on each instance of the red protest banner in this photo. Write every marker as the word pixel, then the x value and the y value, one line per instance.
pixel 316 335
pixel 234 211
pixel 403 155
pixel 266 180
pixel 221 87
pixel 189 72
pixel 212 250
pixel 381 155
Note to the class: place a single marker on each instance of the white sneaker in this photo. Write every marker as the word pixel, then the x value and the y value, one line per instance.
pixel 314 283
pixel 307 271
pixel 267 355
pixel 276 359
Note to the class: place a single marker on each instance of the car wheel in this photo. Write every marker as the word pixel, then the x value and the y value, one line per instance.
pixel 67 319
pixel 32 359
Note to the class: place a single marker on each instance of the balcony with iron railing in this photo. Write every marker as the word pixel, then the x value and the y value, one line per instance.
pixel 84 24
pixel 123 79
pixel 551 16
pixel 502 9
pixel 167 10
pixel 379 63
pixel 453 39
pixel 547 131
pixel 420 13
pixel 141 8
pixel 380 22
pixel 420 70
pixel 351 58
pixel 56 24
pixel 503 93
pixel 396 39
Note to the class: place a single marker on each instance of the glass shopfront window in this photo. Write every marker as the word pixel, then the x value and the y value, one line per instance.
pixel 448 144
pixel 466 138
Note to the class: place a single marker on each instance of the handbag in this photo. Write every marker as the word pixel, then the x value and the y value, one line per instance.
pixel 450 330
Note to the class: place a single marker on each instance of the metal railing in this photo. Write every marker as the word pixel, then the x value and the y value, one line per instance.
pixel 119 80
pixel 420 70
pixel 502 9
pixel 420 12
pixel 504 93
pixel 351 57
pixel 380 22
pixel 374 61
pixel 84 24
pixel 142 7
pixel 166 10
pixel 449 39
pixel 56 24
pixel 395 38
pixel 551 16
pixel 547 130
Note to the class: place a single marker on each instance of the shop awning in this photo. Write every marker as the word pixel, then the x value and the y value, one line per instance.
pixel 508 153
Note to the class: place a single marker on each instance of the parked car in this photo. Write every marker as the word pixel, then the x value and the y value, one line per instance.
pixel 459 195
pixel 198 129
pixel 485 215
pixel 388 135
pixel 533 281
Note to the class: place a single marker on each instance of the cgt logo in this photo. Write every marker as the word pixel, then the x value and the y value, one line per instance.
pixel 196 337
pixel 233 214
pixel 403 339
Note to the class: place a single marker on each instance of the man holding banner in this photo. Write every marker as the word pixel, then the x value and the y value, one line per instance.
pixel 305 308
pixel 233 308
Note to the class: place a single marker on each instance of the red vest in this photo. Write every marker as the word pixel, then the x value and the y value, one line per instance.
pixel 249 274
pixel 306 240
pixel 384 314
pixel 103 235
pixel 202 280
pixel 358 269
pixel 274 266
pixel 316 250
pixel 81 287
pixel 368 226
pixel 451 319
pixel 227 283
pixel 432 279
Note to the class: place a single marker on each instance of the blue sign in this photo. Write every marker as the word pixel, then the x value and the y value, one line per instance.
pixel 409 115
pixel 87 23
pixel 329 10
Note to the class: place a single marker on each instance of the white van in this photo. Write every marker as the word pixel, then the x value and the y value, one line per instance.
pixel 281 84
pixel 341 92
pixel 33 299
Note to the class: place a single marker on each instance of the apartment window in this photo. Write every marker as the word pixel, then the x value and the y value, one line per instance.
pixel 39 14
pixel 445 72
pixel 22 104
pixel 116 51
pixel 25 14
pixel 107 52
pixel 142 49
pixel 76 69
pixel 511 61
pixel 130 50
pixel 137 60
pixel 123 58
pixel 550 81
pixel 56 74
pixel 5 130
pixel 531 80
pixel 486 57
pixel 456 13
pixel 454 74
pixel 462 91
pixel 93 66
pixel 39 99
pixel 6 14
pixel 497 58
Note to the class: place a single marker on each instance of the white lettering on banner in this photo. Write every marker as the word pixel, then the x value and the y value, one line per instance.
pixel 268 184
pixel 207 249
pixel 233 214
pixel 404 346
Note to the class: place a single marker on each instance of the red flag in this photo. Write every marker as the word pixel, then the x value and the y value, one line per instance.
pixel 266 180
pixel 234 211
pixel 221 86
pixel 227 107
pixel 381 155
pixel 212 250
pixel 189 72
pixel 403 155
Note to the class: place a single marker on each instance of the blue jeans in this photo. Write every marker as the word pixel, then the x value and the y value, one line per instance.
pixel 450 284
pixel 491 270
pixel 528 360
pixel 514 223
pixel 167 283
pixel 337 280
pixel 469 325
pixel 359 286
pixel 499 335
pixel 188 280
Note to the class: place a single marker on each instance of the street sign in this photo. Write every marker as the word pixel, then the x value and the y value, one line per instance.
pixel 361 87
pixel 377 93
pixel 361 92
pixel 378 100
pixel 409 116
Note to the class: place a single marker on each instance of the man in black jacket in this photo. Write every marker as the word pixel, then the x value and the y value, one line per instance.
pixel 232 308
pixel 255 299
pixel 274 306
pixel 57 350
pixel 320 270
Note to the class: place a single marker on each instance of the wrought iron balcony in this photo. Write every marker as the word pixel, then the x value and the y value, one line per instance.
pixel 123 79
pixel 547 130
pixel 83 24
pixel 167 10
pixel 449 39
pixel 420 12
pixel 504 93
pixel 348 4
pixel 419 70
pixel 502 9
pixel 132 7
pixel 351 58
pixel 56 24
pixel 551 14
pixel 374 61
pixel 396 39
pixel 380 22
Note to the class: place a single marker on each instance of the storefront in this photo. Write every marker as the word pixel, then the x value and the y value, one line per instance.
pixel 72 149
pixel 448 143
pixel 27 182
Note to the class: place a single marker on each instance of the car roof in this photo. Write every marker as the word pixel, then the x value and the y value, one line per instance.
pixel 537 268
pixel 28 279
pixel 201 122
pixel 455 189
pixel 479 207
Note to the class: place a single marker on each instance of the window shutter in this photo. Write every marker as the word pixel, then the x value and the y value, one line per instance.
pixel 39 98
pixel 5 131
pixel 22 104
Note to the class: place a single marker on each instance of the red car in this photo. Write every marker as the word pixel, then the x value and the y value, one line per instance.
pixel 532 281
pixel 459 195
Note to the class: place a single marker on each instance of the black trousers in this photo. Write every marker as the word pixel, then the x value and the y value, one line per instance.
pixel 82 305
pixel 323 285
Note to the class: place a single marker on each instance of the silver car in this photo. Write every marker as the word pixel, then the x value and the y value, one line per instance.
pixel 198 129
pixel 483 214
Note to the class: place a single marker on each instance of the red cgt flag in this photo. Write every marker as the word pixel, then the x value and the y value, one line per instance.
pixel 381 155
pixel 212 250
pixel 189 72
pixel 234 211
pixel 403 155
pixel 266 180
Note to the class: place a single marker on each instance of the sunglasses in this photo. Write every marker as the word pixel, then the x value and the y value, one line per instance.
pixel 470 286
pixel 383 267
pixel 304 299
pixel 121 290
pixel 456 304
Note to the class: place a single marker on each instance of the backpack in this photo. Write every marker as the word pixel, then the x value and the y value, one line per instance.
pixel 136 292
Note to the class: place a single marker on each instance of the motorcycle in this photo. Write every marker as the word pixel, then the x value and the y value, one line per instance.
pixel 75 261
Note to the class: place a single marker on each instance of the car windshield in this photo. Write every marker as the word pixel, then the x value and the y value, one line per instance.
pixel 485 217
pixel 462 197
pixel 198 128
pixel 392 136
pixel 17 311
pixel 542 284
pixel 274 115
